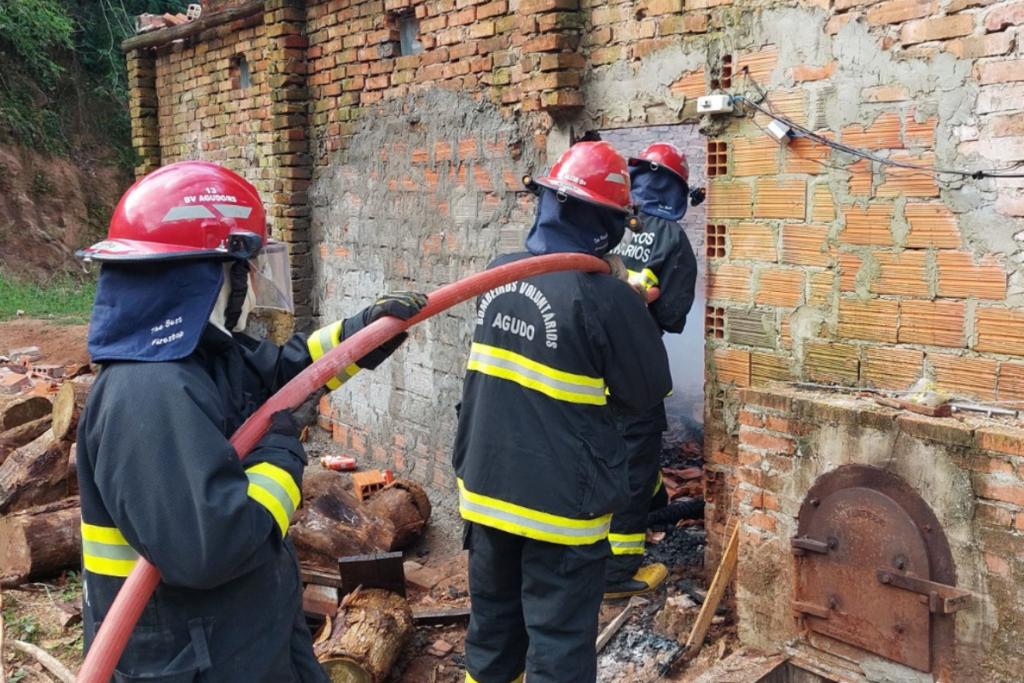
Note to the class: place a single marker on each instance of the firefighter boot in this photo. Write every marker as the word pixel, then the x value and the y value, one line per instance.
pixel 645 580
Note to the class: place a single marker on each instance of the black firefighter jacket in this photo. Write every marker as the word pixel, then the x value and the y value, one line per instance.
pixel 159 479
pixel 537 453
pixel 660 256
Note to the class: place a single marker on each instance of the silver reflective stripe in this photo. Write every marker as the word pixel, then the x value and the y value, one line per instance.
pixel 180 213
pixel 558 385
pixel 108 551
pixel 616 178
pixel 234 210
pixel 274 489
pixel 325 338
pixel 519 520
pixel 625 544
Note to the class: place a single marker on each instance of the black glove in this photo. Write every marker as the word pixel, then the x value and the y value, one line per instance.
pixel 401 305
pixel 292 422
pixel 697 196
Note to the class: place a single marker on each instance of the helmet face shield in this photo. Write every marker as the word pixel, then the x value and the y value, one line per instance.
pixel 272 277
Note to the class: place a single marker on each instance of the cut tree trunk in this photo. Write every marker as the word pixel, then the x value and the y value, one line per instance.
pixel 67 408
pixel 25 410
pixel 335 524
pixel 42 540
pixel 13 439
pixel 406 504
pixel 366 637
pixel 73 470
pixel 34 474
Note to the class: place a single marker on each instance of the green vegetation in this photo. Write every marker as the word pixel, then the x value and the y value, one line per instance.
pixel 63 299
pixel 19 626
pixel 63 71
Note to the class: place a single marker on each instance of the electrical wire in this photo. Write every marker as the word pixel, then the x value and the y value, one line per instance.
pixel 838 146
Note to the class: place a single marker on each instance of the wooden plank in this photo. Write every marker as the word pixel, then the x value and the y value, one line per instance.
pixel 320 578
pixel 723 575
pixel 614 625
pixel 381 570
pixel 440 617
pixel 155 39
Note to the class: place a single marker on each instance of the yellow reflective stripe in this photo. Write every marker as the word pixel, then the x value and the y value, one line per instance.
pixel 274 489
pixel 522 521
pixel 658 485
pixel 645 277
pixel 322 341
pixel 517 679
pixel 627 544
pixel 105 551
pixel 564 386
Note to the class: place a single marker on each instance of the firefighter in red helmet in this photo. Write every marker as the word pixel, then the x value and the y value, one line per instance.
pixel 186 260
pixel 540 467
pixel 659 257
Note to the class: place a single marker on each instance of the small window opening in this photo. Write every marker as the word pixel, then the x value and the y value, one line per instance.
pixel 409 34
pixel 240 72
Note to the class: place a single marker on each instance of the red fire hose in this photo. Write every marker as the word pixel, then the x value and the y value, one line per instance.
pixel 139 586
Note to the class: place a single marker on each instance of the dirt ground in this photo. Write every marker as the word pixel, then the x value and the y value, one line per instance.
pixel 57 343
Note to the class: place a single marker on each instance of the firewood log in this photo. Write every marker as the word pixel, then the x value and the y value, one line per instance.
pixel 13 439
pixel 41 540
pixel 406 504
pixel 67 408
pixel 25 410
pixel 335 524
pixel 34 474
pixel 366 637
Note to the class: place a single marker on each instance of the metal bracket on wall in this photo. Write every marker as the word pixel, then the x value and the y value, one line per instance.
pixel 941 599
pixel 801 546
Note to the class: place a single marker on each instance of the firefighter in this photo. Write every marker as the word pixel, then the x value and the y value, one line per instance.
pixel 186 260
pixel 660 256
pixel 539 463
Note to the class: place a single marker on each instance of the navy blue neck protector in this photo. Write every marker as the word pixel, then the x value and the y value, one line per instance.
pixel 573 226
pixel 152 311
pixel 659 193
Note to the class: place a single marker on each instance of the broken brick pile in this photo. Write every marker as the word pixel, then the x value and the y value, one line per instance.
pixel 22 373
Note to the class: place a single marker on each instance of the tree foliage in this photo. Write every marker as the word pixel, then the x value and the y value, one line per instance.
pixel 62 68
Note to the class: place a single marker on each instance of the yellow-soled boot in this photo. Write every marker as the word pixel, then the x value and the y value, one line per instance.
pixel 645 580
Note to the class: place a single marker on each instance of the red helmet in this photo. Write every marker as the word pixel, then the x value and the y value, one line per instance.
pixel 593 172
pixel 664 155
pixel 186 210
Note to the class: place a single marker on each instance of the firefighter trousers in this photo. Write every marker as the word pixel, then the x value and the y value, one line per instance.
pixel 629 527
pixel 534 608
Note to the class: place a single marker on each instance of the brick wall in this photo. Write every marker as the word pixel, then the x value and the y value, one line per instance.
pixel 822 267
pixel 967 472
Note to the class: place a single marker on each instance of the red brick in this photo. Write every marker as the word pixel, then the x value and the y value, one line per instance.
pixel 934 323
pixel 1002 492
pixel 755 156
pixel 965 375
pixel 732 365
pixel 1011 382
pixel 997 565
pixel 871 320
pixel 831 362
pixel 762 521
pixel 883 133
pixel 937 28
pixel 538 6
pixel 752 241
pixel 891 368
pixel 780 287
pixel 806 245
pixel 729 199
pixel 868 226
pixel 803 73
pixel 492 9
pixel 999 72
pixel 691 86
pixel 931 225
pixel 1005 17
pixel 988 45
pixel 908 182
pixel 751 419
pixel 753 438
pixel 960 277
pixel 901 274
pixel 781 199
pixel 1000 439
pixel 1000 330
pixel 898 11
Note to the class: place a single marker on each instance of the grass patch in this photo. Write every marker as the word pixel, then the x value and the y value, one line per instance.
pixel 63 300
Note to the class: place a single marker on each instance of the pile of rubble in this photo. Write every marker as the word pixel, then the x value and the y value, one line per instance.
pixel 22 373
pixel 146 23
